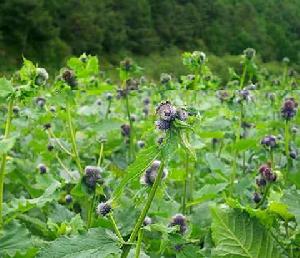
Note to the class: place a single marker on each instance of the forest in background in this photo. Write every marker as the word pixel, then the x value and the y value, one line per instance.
pixel 152 31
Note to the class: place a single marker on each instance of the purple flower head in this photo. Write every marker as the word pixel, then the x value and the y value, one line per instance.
pixel 166 111
pixel 103 208
pixel 92 175
pixel 269 141
pixel 179 220
pixel 289 108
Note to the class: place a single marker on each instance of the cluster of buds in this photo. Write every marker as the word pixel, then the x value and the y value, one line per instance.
pixel 165 78
pixel 167 114
pixel 249 53
pixel 151 173
pixel 91 177
pixel 244 95
pixel 41 76
pixel 179 220
pixel 103 208
pixel 269 141
pixel 289 108
pixel 69 77
pixel 199 57
pixel 126 65
pixel 266 176
pixel 42 168
pixel 40 101
pixel 131 85
pixel 125 130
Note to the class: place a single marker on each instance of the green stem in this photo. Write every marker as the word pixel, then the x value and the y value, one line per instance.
pixel 108 109
pixel 272 158
pixel 63 166
pixel 91 211
pixel 73 140
pixel 235 152
pixel 139 243
pixel 52 135
pixel 4 156
pixel 243 76
pixel 185 183
pixel 264 196
pixel 114 224
pixel 100 154
pixel 144 211
pixel 131 135
pixel 287 153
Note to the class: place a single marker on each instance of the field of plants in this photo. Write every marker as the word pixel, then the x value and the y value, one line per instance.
pixel 193 166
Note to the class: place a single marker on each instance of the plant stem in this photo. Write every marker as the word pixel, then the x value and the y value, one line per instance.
pixel 264 196
pixel 108 109
pixel 73 140
pixel 51 135
pixel 144 211
pixel 287 139
pixel 63 166
pixel 243 76
pixel 139 243
pixel 4 156
pixel 131 143
pixel 100 154
pixel 184 197
pixel 235 152
pixel 91 210
pixel 117 231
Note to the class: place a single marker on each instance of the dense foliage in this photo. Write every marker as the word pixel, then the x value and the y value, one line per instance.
pixel 186 167
pixel 49 31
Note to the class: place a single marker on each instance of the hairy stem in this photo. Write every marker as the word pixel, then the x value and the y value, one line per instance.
pixel 184 196
pixel 116 229
pixel 131 135
pixel 144 211
pixel 287 152
pixel 264 196
pixel 100 154
pixel 73 140
pixel 4 156
pixel 139 243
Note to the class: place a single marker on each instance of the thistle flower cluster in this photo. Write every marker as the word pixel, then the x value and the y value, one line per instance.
pixel 41 76
pixel 40 101
pixel 179 220
pixel 249 53
pixel 266 176
pixel 125 130
pixel 103 209
pixel 165 78
pixel 151 173
pixel 126 65
pixel 222 95
pixel 289 108
pixel 131 85
pixel 91 176
pixel 269 141
pixel 69 77
pixel 167 114
pixel 199 57
pixel 42 168
pixel 244 95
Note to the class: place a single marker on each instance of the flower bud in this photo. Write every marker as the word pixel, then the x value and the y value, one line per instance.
pixel 256 197
pixel 68 198
pixel 41 76
pixel 103 209
pixel 42 168
pixel 179 220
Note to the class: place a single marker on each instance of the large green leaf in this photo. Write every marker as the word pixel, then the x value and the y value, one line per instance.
pixel 6 88
pixel 291 198
pixel 15 238
pixel 236 234
pixel 143 160
pixel 94 243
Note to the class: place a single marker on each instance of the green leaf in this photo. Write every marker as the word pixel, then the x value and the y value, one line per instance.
pixel 28 70
pixel 236 234
pixel 143 160
pixel 15 239
pixel 216 134
pixel 6 88
pixel 6 145
pixel 94 243
pixel 186 145
pixel 245 144
pixel 292 199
